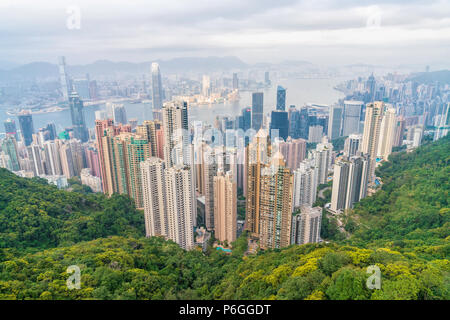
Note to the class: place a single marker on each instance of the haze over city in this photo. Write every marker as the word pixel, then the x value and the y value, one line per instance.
pixel 322 32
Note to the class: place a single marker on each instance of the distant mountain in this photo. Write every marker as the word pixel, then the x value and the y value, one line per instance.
pixel 110 68
pixel 441 76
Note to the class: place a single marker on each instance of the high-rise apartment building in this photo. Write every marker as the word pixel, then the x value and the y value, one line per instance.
pixel 225 207
pixel 176 134
pixel 306 225
pixel 181 206
pixel 276 204
pixel 10 128
pixel 322 157
pixel 294 152
pixel 305 184
pixel 387 133
pixel 371 136
pixel 257 157
pixel 352 144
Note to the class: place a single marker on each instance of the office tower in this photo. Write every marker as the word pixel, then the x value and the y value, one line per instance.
pixel 77 115
pixel 266 78
pixel 352 117
pixel 206 86
pixel 370 87
pixel 306 225
pixel 10 128
pixel 418 134
pixel 294 152
pixel 157 90
pixel 51 131
pixel 149 130
pixel 276 205
pixel 225 207
pixel 26 127
pixel 81 86
pixel 322 158
pixel 352 145
pixel 52 155
pixel 133 123
pixel 350 182
pixel 298 123
pixel 335 122
pixel 257 110
pixel 281 98
pixel 257 155
pixel 372 126
pixel 155 199
pixel 305 184
pixel 235 81
pixel 387 134
pixel 91 181
pixel 119 114
pixel 399 131
pixel 245 119
pixel 176 133
pixel 279 124
pixel 181 206
pixel 210 167
pixel 315 134
pixel 9 148
pixel 63 78
pixel 442 122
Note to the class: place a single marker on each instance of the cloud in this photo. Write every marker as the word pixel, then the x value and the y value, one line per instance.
pixel 255 30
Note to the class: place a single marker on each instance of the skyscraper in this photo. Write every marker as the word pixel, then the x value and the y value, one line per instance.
pixel 10 128
pixel 279 124
pixel 298 123
pixel 276 204
pixel 294 152
pixel 155 199
pixel 157 91
pixel 225 207
pixel 245 119
pixel 257 156
pixel 9 147
pixel 399 131
pixel 257 110
pixel 176 134
pixel 305 184
pixel 387 133
pixel 352 144
pixel 322 158
pixel 315 134
pixel 335 122
pixel 210 167
pixel 63 78
pixel 306 225
pixel 26 127
pixel 349 182
pixel 370 87
pixel 371 136
pixel 181 206
pixel 235 81
pixel 352 117
pixel 119 114
pixel 77 115
pixel 281 98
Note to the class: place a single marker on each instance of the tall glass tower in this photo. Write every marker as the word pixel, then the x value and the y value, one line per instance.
pixel 26 127
pixel 77 115
pixel 281 98
pixel 157 92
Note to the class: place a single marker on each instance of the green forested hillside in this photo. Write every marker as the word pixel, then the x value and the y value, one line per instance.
pixel 36 214
pixel 403 229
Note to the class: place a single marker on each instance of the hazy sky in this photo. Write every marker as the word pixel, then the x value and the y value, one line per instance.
pixel 324 32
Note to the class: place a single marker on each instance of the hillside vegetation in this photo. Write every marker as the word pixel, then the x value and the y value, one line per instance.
pixel 403 229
